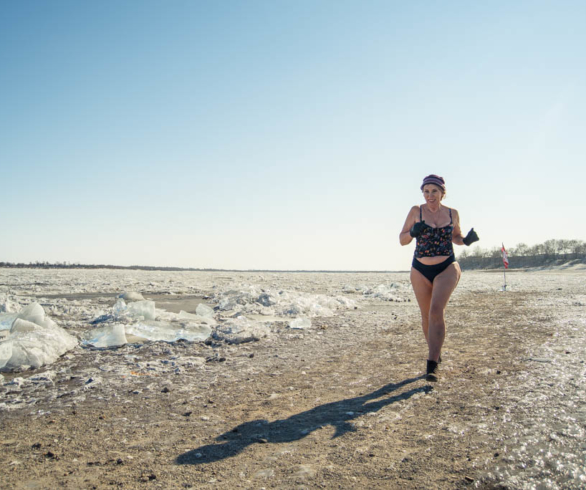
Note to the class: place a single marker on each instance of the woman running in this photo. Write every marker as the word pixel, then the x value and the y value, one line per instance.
pixel 434 272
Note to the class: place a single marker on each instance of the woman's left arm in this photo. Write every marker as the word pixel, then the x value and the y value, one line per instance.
pixel 457 237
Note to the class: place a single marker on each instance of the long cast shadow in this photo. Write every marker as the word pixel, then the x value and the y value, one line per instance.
pixel 337 414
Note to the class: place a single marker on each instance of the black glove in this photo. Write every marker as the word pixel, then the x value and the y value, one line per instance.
pixel 417 229
pixel 471 237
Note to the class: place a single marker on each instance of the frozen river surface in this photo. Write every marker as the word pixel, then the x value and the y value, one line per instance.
pixel 534 412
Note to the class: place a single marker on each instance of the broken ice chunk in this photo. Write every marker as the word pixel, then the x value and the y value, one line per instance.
pixel 6 320
pixel 188 316
pixel 145 309
pixel 119 308
pixel 30 344
pixel 154 331
pixel 204 310
pixel 169 332
pixel 228 303
pixel 110 336
pixel 241 329
pixel 266 299
pixel 8 305
pixel 132 296
pixel 183 315
pixel 36 314
pixel 300 323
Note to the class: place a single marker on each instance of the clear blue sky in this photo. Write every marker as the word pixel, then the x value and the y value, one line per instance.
pixel 284 134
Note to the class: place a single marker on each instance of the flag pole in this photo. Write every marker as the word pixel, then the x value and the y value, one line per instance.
pixel 506 264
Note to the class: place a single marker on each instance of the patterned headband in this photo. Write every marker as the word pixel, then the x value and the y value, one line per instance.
pixel 435 180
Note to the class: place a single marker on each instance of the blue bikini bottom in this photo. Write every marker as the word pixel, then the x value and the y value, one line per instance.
pixel 431 271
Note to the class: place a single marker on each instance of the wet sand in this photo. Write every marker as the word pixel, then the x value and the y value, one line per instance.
pixel 342 405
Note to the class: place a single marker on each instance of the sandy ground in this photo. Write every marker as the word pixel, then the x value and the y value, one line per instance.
pixel 342 405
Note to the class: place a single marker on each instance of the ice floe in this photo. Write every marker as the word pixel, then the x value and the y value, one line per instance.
pixel 300 323
pixel 34 340
pixel 252 299
pixel 132 296
pixel 236 311
pixel 141 321
pixel 391 292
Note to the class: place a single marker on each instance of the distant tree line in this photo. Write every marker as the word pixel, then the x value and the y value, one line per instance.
pixel 550 252
pixel 70 265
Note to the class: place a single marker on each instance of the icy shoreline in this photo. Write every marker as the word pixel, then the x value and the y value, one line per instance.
pixel 530 410
pixel 237 310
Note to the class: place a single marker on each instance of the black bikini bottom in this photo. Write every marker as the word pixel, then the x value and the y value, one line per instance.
pixel 430 271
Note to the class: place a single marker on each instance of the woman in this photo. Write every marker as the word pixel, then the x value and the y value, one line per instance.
pixel 434 272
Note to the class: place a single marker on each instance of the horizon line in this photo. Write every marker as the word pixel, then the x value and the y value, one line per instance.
pixel 22 265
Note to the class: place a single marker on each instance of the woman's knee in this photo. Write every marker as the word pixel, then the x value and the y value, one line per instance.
pixel 436 314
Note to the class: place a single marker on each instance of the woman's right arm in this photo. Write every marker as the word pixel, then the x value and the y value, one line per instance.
pixel 405 237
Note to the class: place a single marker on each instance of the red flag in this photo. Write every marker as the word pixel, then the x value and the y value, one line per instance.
pixel 505 257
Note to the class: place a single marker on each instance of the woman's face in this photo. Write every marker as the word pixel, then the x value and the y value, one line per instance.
pixel 432 193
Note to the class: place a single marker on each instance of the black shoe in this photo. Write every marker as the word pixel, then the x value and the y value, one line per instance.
pixel 432 371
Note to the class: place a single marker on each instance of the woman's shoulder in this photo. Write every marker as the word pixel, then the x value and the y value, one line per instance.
pixel 414 210
pixel 454 213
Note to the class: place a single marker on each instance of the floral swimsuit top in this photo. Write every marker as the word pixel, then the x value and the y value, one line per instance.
pixel 435 241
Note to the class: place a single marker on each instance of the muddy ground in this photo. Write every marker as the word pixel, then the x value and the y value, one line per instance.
pixel 342 405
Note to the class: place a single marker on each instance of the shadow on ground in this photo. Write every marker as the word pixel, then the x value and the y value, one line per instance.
pixel 337 414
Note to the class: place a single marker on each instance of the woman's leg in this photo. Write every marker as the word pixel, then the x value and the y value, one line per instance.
pixel 443 286
pixel 422 289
